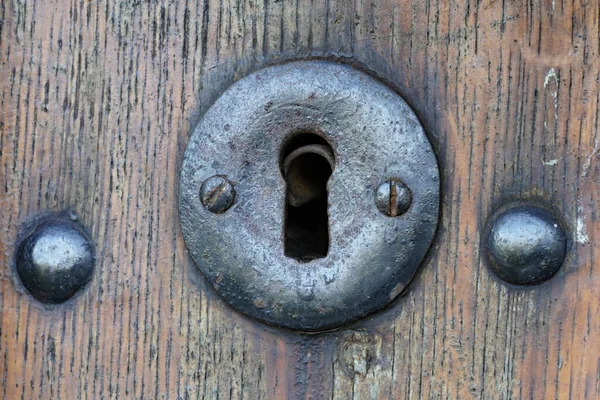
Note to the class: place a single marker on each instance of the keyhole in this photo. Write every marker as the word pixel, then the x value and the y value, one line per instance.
pixel 307 164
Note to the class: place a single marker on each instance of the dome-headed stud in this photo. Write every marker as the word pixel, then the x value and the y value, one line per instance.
pixel 55 260
pixel 525 245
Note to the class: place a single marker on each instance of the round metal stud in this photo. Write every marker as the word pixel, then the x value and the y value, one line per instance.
pixel 525 245
pixel 55 260
pixel 260 134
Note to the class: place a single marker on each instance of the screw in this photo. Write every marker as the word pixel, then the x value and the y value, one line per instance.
pixel 217 194
pixel 525 245
pixel 55 260
pixel 393 198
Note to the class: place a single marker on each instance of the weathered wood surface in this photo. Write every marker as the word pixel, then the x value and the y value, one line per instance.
pixel 98 99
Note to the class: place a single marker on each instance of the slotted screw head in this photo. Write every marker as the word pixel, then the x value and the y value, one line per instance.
pixel 217 194
pixel 393 198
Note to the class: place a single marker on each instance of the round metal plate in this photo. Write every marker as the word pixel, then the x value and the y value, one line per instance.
pixel 375 136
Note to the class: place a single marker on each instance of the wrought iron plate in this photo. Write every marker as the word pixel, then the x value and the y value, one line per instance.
pixel 374 135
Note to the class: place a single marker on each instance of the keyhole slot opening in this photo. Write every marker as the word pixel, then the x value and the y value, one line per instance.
pixel 307 162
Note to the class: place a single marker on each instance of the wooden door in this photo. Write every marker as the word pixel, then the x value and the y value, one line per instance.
pixel 99 97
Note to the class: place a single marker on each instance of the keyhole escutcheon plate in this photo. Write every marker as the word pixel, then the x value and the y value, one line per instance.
pixel 370 165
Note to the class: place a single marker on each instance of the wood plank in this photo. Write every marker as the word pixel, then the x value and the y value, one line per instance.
pixel 98 99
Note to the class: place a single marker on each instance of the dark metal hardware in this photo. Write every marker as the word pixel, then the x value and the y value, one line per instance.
pixel 393 198
pixel 55 259
pixel 265 133
pixel 525 245
pixel 217 194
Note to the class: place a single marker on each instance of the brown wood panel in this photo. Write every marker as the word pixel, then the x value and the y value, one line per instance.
pixel 98 99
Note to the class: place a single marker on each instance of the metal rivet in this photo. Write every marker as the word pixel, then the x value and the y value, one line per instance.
pixel 393 198
pixel 217 194
pixel 55 260
pixel 526 245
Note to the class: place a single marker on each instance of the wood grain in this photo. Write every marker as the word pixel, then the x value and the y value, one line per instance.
pixel 98 99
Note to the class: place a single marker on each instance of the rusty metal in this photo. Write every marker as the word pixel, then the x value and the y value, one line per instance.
pixel 217 194
pixel 525 244
pixel 393 198
pixel 55 259
pixel 370 258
